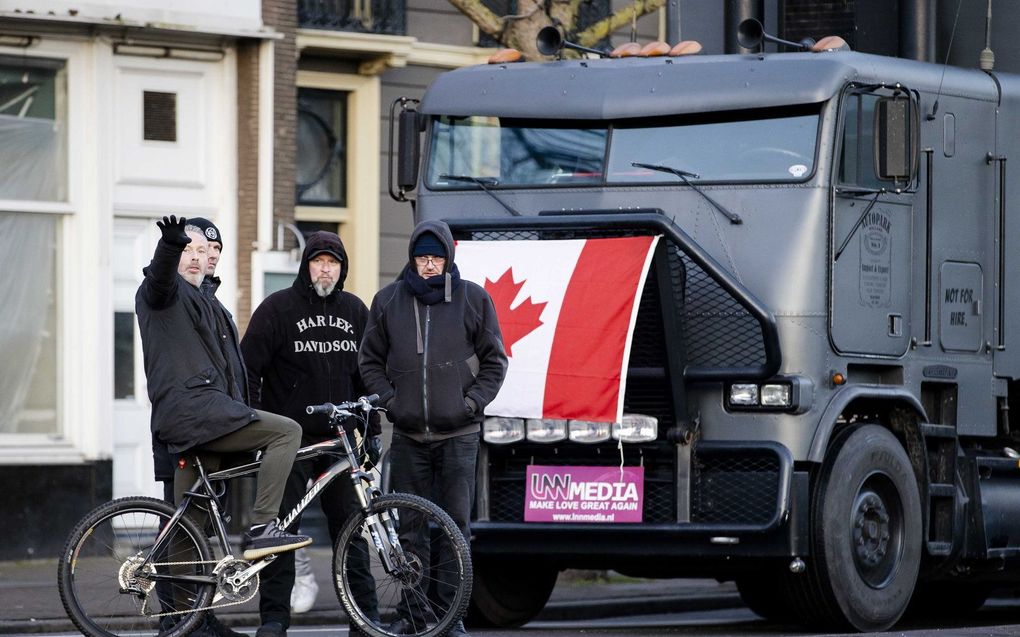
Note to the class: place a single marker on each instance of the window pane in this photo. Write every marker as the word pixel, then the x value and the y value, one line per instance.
pixel 28 320
pixel 123 355
pixel 33 129
pixel 514 152
pixel 857 161
pixel 759 145
pixel 322 148
pixel 276 281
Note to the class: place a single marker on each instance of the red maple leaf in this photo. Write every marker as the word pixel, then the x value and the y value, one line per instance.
pixel 520 321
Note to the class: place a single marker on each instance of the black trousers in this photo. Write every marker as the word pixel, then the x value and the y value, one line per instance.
pixel 444 472
pixel 338 502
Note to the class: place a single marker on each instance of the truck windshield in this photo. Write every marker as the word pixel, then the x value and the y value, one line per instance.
pixel 758 145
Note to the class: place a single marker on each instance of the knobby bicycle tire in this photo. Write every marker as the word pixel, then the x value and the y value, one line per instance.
pixel 431 585
pixel 102 588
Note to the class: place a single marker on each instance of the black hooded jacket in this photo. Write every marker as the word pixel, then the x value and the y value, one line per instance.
pixel 433 351
pixel 193 369
pixel 163 463
pixel 302 349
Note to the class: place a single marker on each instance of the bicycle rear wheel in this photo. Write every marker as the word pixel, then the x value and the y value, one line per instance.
pixel 423 571
pixel 107 590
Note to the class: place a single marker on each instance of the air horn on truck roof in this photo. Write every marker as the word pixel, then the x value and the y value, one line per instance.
pixel 750 34
pixel 550 41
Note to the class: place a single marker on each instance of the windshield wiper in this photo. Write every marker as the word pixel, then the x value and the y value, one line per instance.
pixel 683 175
pixel 860 220
pixel 483 183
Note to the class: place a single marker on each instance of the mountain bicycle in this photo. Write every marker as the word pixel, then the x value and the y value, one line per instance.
pixel 140 566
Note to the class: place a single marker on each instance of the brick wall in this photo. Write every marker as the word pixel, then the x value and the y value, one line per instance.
pixel 281 15
pixel 247 171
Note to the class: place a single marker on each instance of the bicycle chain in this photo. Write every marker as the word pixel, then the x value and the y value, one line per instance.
pixel 195 610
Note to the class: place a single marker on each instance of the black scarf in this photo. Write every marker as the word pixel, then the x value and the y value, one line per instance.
pixel 433 289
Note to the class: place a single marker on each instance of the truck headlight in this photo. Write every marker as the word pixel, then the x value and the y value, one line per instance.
pixel 588 431
pixel 636 428
pixel 775 395
pixel 745 394
pixel 502 431
pixel 546 430
pixel 778 394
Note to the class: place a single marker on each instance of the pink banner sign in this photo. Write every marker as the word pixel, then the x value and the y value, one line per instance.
pixel 607 495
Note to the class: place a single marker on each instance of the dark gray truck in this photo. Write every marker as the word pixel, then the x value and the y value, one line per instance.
pixel 828 337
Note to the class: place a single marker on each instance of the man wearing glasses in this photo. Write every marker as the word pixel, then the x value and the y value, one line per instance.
pixel 434 353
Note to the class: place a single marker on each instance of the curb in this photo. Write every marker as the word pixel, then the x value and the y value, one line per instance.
pixel 610 607
pixel 566 610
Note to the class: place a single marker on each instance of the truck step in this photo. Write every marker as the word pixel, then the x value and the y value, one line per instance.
pixel 933 430
pixel 941 490
pixel 940 548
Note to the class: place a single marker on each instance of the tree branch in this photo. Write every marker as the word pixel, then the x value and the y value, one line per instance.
pixel 478 13
pixel 601 29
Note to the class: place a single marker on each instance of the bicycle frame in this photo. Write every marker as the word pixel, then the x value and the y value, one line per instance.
pixel 203 490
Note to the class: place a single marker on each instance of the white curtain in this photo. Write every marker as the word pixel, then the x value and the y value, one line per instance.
pixel 31 159
pixel 27 261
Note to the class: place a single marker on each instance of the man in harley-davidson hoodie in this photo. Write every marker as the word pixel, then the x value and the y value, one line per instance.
pixel 300 349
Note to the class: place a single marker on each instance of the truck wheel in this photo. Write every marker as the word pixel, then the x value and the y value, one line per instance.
pixel 865 535
pixel 509 593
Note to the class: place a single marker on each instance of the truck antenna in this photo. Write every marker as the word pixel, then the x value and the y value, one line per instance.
pixel 949 49
pixel 987 58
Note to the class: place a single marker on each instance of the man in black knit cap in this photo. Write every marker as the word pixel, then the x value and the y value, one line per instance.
pixel 433 351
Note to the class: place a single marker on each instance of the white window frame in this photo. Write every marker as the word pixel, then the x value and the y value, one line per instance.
pixel 82 268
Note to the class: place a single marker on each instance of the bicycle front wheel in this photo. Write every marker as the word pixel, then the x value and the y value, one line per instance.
pixel 108 571
pixel 421 568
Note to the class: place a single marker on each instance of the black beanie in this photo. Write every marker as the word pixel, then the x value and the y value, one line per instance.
pixel 428 243
pixel 208 228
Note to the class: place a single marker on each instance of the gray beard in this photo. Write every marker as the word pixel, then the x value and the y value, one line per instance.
pixel 194 279
pixel 323 290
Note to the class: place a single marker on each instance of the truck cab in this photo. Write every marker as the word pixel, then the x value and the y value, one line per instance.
pixel 824 340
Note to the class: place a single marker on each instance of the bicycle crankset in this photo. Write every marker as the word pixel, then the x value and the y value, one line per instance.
pixel 232 583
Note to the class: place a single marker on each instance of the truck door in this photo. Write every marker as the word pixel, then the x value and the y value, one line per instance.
pixel 872 225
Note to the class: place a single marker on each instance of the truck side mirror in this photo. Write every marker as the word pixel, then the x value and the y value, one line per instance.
pixel 894 137
pixel 408 150
pixel 409 124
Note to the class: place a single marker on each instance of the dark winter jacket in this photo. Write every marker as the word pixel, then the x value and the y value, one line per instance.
pixel 193 368
pixel 302 349
pixel 163 463
pixel 436 364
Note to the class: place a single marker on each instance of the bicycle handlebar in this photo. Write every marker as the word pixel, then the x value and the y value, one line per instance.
pixel 366 403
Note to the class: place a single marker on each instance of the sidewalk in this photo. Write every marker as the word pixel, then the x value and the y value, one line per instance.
pixel 29 601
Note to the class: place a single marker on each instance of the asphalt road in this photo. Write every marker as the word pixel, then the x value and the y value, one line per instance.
pixel 998 619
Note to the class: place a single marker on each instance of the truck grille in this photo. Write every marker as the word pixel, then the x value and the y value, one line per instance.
pixel 694 330
pixel 729 486
pixel 734 486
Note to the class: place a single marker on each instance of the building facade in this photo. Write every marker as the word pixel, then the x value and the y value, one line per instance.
pixel 272 118
pixel 112 114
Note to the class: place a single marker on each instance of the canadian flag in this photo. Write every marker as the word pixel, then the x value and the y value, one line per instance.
pixel 567 311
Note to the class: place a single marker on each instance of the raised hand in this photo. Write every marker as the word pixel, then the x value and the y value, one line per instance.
pixel 173 230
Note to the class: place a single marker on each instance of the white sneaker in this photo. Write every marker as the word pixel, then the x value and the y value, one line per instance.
pixel 302 596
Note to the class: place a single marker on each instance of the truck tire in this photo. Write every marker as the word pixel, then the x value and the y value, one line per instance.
pixel 509 593
pixel 865 535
